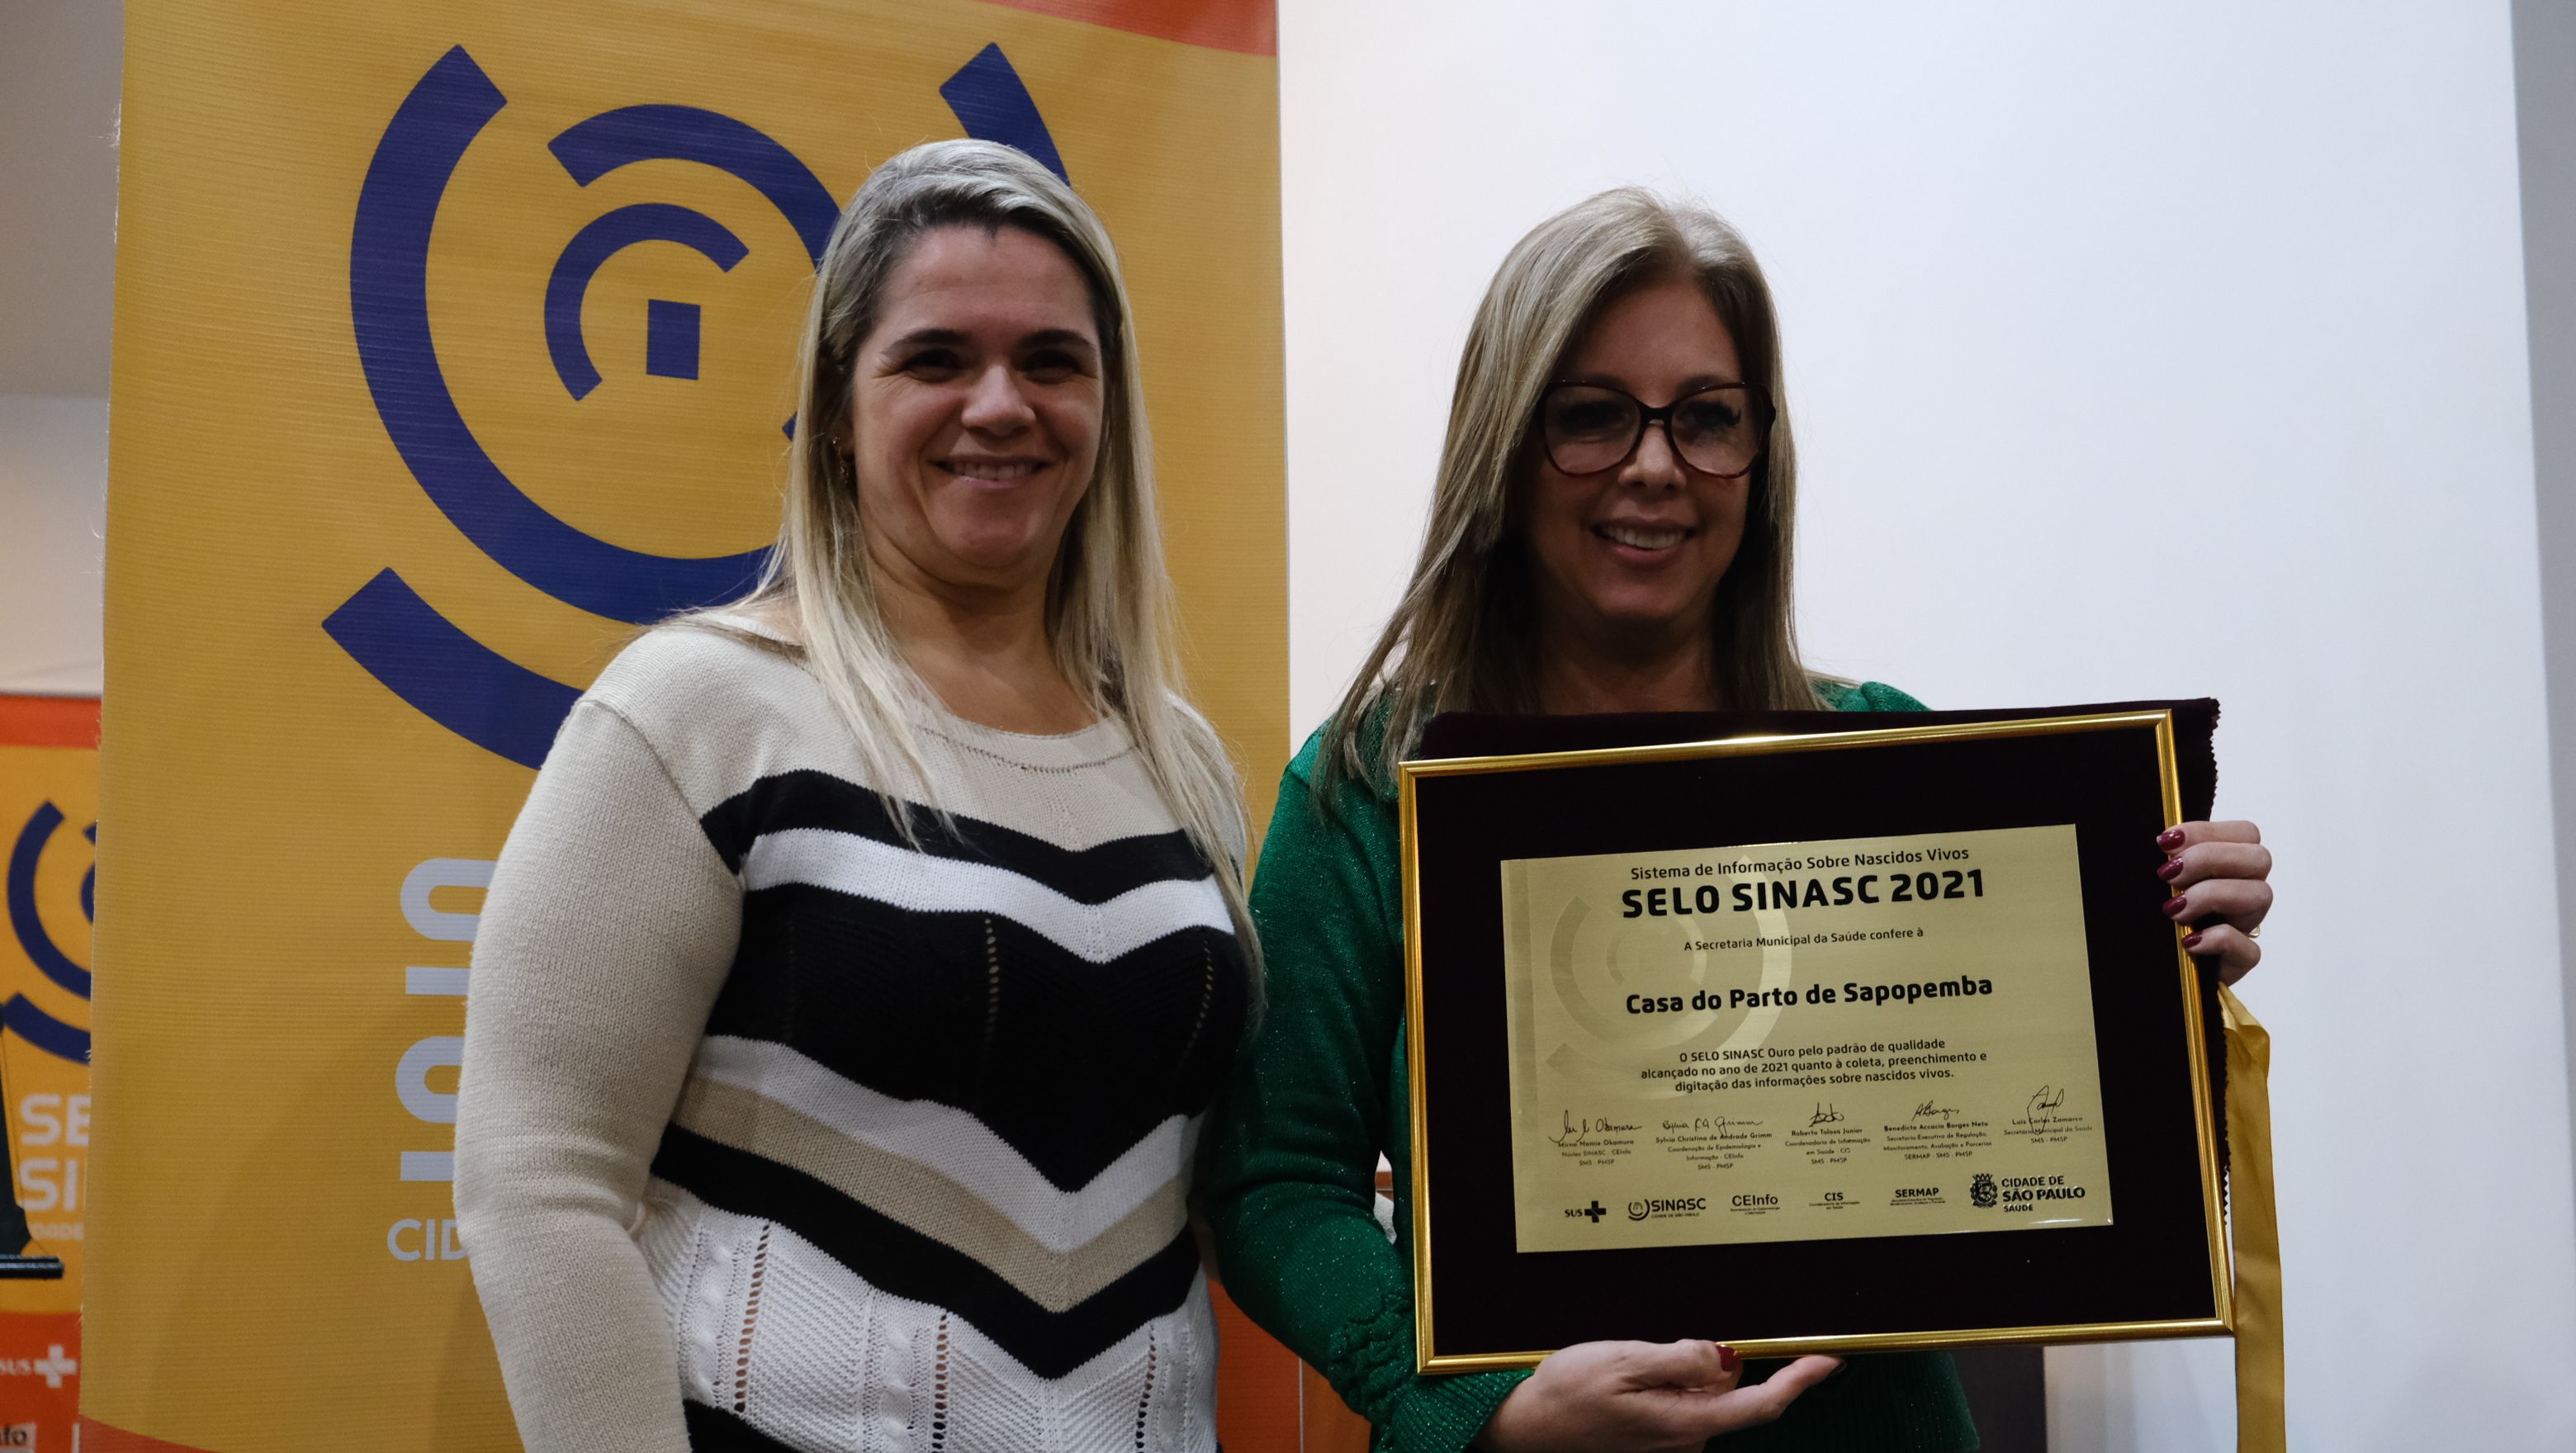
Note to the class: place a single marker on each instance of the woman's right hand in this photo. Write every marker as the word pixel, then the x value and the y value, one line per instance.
pixel 1642 1397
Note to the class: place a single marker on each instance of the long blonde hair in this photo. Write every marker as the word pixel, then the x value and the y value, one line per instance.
pixel 1462 638
pixel 1109 614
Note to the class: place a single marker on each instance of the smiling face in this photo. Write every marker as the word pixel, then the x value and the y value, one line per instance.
pixel 975 411
pixel 1627 561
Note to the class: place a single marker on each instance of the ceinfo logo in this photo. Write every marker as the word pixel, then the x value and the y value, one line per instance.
pixel 387 627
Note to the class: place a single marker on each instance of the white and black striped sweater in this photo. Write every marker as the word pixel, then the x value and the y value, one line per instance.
pixel 776 1131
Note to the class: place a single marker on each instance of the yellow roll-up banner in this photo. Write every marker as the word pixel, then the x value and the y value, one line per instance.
pixel 453 347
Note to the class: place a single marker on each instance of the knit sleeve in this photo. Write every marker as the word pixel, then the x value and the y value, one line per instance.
pixel 1293 1178
pixel 1840 695
pixel 1879 696
pixel 609 927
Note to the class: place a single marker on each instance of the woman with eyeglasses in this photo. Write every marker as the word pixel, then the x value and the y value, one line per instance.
pixel 1609 532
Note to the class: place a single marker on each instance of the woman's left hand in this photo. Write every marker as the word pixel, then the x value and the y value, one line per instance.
pixel 2220 868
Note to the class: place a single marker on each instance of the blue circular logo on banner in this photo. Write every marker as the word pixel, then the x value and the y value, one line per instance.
pixel 402 640
pixel 21 1014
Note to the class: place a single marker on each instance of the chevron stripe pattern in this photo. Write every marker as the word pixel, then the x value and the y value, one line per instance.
pixel 953 1085
pixel 924 1184
pixel 798 1116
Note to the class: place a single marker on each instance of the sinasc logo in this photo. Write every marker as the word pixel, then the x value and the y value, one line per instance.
pixel 1657 1206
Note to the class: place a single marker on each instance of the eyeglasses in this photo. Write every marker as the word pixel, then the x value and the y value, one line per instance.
pixel 1588 427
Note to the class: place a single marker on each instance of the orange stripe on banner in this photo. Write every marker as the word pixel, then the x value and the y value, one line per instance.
pixel 98 1437
pixel 1248 26
pixel 48 721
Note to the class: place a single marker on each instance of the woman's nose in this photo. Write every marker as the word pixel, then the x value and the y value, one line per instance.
pixel 994 403
pixel 1653 463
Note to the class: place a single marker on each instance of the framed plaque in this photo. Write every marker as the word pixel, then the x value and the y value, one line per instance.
pixel 1807 1038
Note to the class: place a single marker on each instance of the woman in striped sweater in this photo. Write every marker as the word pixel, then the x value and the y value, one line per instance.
pixel 853 984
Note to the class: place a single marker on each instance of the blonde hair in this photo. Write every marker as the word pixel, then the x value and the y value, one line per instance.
pixel 1109 614
pixel 1462 638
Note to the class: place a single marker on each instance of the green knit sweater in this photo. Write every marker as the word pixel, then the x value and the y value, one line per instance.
pixel 1319 1094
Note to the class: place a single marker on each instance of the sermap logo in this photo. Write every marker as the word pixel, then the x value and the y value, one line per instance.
pixel 387 627
pixel 21 1014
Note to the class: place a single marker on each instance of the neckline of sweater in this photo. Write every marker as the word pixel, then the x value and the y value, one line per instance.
pixel 1104 740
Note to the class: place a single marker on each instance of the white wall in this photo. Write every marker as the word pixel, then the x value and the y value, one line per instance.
pixel 2544 60
pixel 2164 351
pixel 59 63
pixel 53 515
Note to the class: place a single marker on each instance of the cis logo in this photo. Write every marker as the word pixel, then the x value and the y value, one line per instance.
pixel 21 1014
pixel 387 627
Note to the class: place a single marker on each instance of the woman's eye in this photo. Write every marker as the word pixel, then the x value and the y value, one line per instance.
pixel 933 361
pixel 1589 417
pixel 1051 366
pixel 1708 418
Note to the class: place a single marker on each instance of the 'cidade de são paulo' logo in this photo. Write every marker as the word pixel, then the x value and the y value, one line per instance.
pixel 387 626
pixel 23 1016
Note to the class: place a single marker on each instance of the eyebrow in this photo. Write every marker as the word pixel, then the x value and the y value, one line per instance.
pixel 1058 337
pixel 952 338
pixel 1690 385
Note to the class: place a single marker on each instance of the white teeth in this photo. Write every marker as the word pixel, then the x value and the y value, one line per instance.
pixel 1644 538
pixel 978 469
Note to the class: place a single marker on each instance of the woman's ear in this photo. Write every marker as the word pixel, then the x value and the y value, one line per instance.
pixel 835 424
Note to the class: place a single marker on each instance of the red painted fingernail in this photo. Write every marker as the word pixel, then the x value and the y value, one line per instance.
pixel 2169 839
pixel 2191 940
pixel 2175 905
pixel 1727 1359
pixel 2169 869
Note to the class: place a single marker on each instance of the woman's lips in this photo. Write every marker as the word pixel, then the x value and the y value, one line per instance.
pixel 1649 538
pixel 992 471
